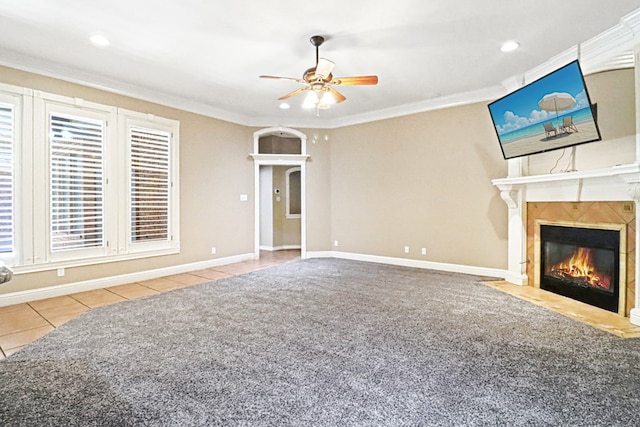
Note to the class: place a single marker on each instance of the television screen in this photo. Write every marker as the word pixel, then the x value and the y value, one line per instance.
pixel 550 113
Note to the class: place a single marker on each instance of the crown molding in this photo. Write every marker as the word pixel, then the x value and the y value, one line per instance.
pixel 609 50
pixel 20 61
pixel 439 103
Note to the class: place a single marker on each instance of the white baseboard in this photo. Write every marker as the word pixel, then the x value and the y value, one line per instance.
pixel 105 282
pixel 279 248
pixel 516 279
pixel 453 268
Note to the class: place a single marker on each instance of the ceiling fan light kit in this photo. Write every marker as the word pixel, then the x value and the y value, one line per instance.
pixel 317 81
pixel 321 99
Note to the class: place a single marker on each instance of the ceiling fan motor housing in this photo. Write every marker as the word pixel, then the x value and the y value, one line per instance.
pixel 316 40
pixel 309 76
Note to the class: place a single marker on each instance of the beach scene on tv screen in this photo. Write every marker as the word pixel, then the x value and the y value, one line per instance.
pixel 548 114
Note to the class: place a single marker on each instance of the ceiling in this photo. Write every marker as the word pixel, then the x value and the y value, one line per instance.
pixel 206 56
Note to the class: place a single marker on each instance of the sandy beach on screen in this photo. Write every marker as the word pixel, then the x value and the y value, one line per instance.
pixel 540 142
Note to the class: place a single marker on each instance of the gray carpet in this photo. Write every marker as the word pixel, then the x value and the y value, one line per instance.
pixel 324 342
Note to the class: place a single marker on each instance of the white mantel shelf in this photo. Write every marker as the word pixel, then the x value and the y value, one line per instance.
pixel 616 183
pixel 620 170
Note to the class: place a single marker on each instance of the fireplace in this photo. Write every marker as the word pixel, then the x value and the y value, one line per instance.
pixel 600 196
pixel 585 262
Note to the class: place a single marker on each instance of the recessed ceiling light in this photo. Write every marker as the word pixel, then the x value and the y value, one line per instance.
pixel 99 40
pixel 284 106
pixel 509 46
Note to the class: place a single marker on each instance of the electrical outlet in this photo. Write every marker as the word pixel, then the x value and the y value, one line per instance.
pixel 424 251
pixel 213 250
pixel 335 243
pixel 406 249
pixel 60 272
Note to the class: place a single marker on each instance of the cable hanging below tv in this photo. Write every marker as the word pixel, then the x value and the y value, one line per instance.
pixel 551 113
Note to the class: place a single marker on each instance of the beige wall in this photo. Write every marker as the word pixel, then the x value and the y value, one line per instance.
pixel 318 189
pixel 425 180
pixel 422 180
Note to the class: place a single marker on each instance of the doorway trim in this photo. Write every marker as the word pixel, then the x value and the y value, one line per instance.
pixel 296 160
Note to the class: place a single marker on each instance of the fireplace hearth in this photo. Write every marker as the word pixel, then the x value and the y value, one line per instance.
pixel 582 262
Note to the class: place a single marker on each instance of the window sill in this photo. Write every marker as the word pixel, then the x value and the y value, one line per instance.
pixel 34 268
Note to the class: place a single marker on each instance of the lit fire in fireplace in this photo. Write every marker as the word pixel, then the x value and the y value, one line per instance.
pixel 579 269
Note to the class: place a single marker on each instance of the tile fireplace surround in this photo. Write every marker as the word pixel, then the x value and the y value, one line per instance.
pixel 610 196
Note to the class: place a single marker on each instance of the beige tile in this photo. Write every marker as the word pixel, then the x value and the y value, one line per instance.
pixel 13 350
pixel 19 317
pixel 229 268
pixel 576 310
pixel 239 268
pixel 132 291
pixel 210 274
pixel 97 298
pixel 60 315
pixel 52 302
pixel 185 285
pixel 267 259
pixel 187 279
pixel 161 284
pixel 15 310
pixel 10 341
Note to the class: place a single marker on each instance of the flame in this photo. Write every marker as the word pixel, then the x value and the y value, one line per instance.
pixel 580 268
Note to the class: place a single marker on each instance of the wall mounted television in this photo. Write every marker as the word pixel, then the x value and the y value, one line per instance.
pixel 551 113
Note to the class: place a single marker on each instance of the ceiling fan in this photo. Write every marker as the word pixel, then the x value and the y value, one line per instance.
pixel 318 82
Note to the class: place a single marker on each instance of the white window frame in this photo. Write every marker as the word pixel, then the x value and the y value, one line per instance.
pixel 128 119
pixel 20 99
pixel 44 106
pixel 32 198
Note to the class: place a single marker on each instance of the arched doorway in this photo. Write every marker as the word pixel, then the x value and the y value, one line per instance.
pixel 284 149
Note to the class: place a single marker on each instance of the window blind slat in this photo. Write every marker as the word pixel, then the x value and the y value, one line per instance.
pixel 77 182
pixel 150 185
pixel 7 125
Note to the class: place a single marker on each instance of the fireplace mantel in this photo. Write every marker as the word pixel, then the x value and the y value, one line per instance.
pixel 617 183
pixel 614 183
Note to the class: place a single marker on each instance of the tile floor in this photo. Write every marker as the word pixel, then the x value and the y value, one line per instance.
pixel 576 310
pixel 22 324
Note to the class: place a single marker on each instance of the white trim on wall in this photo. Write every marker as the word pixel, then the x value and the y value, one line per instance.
pixel 298 160
pixel 440 266
pixel 280 248
pixel 105 282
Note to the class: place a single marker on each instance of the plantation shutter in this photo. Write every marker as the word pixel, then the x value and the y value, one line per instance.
pixel 150 184
pixel 77 186
pixel 6 178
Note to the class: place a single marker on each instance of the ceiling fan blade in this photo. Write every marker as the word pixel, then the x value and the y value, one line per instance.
pixel 337 95
pixel 355 80
pixel 294 93
pixel 323 68
pixel 282 78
